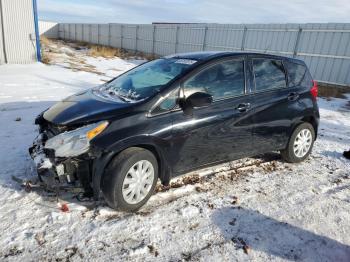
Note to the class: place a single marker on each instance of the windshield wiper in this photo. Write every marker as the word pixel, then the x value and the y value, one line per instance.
pixel 113 93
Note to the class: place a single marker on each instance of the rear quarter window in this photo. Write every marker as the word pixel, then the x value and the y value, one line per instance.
pixel 298 75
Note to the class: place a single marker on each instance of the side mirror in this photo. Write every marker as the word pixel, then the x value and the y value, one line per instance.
pixel 199 99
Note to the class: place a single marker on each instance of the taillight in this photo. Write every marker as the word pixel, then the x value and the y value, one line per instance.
pixel 314 89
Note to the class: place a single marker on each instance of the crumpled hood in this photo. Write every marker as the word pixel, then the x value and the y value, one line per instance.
pixel 84 107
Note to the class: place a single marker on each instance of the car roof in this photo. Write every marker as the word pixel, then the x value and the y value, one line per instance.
pixel 209 55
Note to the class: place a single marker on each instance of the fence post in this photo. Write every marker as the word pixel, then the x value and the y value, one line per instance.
pixel 98 33
pixel 176 38
pixel 82 32
pixel 90 34
pixel 75 32
pixel 205 38
pixel 243 37
pixel 296 46
pixel 109 34
pixel 121 36
pixel 153 39
pixel 136 37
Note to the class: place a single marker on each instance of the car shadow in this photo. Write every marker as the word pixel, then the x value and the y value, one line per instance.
pixel 270 156
pixel 248 228
pixel 333 154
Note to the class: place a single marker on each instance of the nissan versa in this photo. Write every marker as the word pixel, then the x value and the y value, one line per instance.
pixel 172 115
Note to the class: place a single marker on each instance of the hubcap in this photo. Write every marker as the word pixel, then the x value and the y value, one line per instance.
pixel 302 143
pixel 138 182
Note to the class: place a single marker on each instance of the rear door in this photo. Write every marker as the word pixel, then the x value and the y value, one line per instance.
pixel 221 131
pixel 272 104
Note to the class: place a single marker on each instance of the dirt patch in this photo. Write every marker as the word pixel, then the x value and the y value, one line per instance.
pixel 14 251
pixel 187 180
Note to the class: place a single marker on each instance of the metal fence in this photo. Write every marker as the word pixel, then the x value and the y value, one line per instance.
pixel 324 47
pixel 49 29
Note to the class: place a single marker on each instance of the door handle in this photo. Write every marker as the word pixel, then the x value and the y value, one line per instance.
pixel 293 96
pixel 243 107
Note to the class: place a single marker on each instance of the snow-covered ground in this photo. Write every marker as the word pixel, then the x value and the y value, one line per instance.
pixel 256 209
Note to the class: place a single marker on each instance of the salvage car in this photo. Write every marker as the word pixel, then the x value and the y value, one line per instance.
pixel 173 115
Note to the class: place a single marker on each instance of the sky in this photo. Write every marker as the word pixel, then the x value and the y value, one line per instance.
pixel 195 11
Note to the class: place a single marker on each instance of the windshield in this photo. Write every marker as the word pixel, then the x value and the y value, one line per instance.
pixel 145 80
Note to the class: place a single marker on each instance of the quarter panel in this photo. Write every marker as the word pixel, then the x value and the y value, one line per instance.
pixel 275 117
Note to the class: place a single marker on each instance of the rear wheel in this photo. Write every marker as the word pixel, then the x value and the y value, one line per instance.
pixel 300 144
pixel 130 179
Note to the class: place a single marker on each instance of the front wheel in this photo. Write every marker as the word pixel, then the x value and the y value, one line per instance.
pixel 300 144
pixel 130 179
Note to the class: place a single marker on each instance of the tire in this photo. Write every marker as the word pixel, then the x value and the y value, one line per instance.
pixel 291 154
pixel 125 168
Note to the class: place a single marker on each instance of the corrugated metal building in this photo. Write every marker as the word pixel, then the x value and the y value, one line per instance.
pixel 19 34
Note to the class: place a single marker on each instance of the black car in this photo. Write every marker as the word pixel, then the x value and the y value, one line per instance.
pixel 173 115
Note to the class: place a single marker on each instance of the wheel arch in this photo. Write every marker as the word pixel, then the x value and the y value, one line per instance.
pixel 100 164
pixel 313 121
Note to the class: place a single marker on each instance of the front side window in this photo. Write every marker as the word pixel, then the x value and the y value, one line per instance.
pixel 268 74
pixel 222 80
pixel 145 80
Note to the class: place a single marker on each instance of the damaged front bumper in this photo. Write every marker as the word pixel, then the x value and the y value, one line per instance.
pixel 64 155
pixel 51 170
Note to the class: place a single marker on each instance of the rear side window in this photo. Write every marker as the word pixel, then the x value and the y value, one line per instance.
pixel 298 75
pixel 221 80
pixel 269 74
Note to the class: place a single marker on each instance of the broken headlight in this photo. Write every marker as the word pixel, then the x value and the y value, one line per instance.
pixel 76 142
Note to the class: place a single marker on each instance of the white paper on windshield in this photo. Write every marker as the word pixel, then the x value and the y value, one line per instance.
pixel 185 61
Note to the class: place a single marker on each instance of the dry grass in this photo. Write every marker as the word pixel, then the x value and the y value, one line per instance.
pixel 52 51
pixel 329 91
pixel 148 57
pixel 45 41
pixel 46 57
pixel 95 50
pixel 106 51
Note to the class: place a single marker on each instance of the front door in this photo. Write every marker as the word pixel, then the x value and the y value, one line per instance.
pixel 221 131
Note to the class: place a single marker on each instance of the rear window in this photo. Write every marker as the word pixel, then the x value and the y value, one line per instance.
pixel 269 74
pixel 298 75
